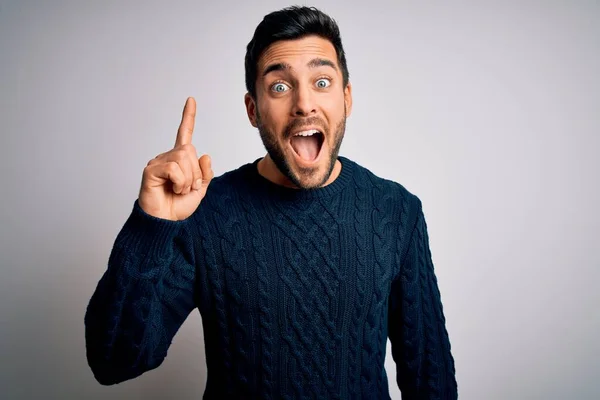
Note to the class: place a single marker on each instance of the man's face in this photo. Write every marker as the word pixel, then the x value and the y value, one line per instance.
pixel 300 108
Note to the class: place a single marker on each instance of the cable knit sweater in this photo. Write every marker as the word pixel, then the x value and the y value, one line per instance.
pixel 298 291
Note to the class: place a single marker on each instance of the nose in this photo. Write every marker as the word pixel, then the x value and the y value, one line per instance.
pixel 303 102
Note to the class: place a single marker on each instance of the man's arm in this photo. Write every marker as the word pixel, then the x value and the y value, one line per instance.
pixel 142 299
pixel 417 329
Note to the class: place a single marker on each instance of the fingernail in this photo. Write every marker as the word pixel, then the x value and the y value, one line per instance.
pixel 198 184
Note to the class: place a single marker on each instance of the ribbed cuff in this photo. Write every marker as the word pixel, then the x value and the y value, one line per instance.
pixel 146 236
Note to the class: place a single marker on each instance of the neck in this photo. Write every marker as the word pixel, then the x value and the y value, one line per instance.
pixel 268 169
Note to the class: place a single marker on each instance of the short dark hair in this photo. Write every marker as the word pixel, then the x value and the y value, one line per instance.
pixel 287 24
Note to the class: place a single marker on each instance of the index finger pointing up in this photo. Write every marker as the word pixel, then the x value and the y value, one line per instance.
pixel 186 128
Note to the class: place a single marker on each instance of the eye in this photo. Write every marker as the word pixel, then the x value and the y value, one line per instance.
pixel 323 83
pixel 279 87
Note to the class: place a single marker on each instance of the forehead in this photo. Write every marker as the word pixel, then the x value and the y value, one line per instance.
pixel 297 52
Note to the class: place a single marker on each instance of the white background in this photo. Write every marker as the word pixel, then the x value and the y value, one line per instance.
pixel 488 112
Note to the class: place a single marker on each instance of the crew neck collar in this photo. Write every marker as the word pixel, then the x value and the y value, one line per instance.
pixel 288 193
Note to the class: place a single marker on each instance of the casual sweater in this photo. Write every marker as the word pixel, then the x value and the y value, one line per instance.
pixel 298 291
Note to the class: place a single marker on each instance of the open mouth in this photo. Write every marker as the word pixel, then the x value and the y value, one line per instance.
pixel 307 144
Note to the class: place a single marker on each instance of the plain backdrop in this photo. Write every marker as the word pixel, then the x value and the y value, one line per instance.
pixel 488 111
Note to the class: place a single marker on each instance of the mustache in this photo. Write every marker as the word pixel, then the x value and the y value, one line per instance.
pixel 301 123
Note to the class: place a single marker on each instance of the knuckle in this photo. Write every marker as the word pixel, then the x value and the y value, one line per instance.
pixel 147 172
pixel 179 153
pixel 157 159
pixel 185 148
pixel 190 150
pixel 171 167
pixel 154 161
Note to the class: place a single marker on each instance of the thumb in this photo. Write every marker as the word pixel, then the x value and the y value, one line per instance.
pixel 205 163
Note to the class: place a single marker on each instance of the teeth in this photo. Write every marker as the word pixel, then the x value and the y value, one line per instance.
pixel 307 133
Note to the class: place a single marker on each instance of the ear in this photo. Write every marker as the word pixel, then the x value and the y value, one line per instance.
pixel 348 99
pixel 250 109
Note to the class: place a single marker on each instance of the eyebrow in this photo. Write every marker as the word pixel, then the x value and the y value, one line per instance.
pixel 314 63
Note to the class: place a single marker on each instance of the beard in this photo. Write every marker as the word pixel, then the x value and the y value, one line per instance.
pixel 277 154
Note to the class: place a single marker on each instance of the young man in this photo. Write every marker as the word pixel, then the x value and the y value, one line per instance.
pixel 301 263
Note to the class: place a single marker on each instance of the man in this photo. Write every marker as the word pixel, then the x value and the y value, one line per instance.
pixel 301 263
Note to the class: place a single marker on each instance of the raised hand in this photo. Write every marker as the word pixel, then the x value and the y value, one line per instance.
pixel 174 183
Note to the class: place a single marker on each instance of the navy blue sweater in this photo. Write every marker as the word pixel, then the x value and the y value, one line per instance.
pixel 298 291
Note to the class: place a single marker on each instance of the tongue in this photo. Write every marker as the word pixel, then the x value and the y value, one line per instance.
pixel 307 147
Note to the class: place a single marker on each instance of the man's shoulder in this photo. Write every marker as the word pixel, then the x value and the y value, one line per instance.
pixel 383 187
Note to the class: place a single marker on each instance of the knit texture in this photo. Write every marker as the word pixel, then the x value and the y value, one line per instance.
pixel 298 291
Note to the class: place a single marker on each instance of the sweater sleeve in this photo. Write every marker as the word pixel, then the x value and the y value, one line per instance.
pixel 417 330
pixel 142 299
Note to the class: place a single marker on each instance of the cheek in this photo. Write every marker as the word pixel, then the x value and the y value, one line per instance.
pixel 273 115
pixel 334 111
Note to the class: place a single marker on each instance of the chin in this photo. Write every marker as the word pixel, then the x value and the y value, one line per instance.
pixel 310 180
pixel 310 176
